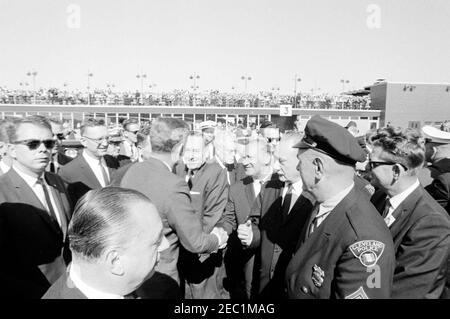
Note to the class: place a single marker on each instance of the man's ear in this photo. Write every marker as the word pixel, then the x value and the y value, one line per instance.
pixel 396 171
pixel 114 263
pixel 83 141
pixel 319 167
pixel 12 150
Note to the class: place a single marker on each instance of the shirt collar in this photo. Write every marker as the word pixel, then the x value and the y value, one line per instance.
pixel 92 161
pixel 219 162
pixel 265 179
pixel 3 167
pixel 30 180
pixel 297 187
pixel 332 202
pixel 88 291
pixel 396 200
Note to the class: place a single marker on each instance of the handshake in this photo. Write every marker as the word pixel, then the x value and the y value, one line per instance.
pixel 221 235
pixel 245 233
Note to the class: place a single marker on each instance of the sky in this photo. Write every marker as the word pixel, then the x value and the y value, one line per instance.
pixel 273 42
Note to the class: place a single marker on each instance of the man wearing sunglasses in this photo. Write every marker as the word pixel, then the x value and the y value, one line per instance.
pixel 58 157
pixel 89 170
pixel 34 215
pixel 419 225
pixel 128 147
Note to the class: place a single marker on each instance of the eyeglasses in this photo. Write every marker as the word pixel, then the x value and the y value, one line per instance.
pixel 98 140
pixel 375 164
pixel 134 132
pixel 34 144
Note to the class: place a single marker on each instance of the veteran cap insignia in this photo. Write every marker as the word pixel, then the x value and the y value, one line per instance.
pixel 367 251
pixel 317 276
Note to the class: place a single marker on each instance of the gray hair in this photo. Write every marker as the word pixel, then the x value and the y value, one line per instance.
pixel 101 220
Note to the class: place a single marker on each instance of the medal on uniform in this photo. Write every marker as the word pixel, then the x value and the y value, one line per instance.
pixel 317 276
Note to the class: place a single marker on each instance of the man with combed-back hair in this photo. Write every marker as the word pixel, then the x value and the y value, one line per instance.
pixel 116 236
pixel 34 214
pixel 419 226
pixel 170 194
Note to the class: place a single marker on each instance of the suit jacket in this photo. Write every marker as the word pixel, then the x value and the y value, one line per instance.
pixel 244 205
pixel 171 196
pixel 29 237
pixel 80 178
pixel 280 233
pixel 421 236
pixel 333 262
pixel 439 188
pixel 64 288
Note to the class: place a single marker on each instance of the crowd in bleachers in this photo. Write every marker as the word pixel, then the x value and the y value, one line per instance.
pixel 182 97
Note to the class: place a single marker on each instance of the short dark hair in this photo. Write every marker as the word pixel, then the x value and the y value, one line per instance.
pixel 91 122
pixel 128 122
pixel 100 220
pixel 166 132
pixel 402 145
pixel 16 122
pixel 143 134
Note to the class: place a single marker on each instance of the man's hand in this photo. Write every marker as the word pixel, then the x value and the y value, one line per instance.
pixel 222 236
pixel 245 233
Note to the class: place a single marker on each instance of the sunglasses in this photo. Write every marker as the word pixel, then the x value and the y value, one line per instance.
pixel 34 144
pixel 375 164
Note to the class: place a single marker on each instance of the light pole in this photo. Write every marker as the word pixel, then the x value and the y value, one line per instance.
pixel 24 85
pixel 89 75
pixel 150 91
pixel 275 91
pixel 296 79
pixel 33 74
pixel 246 78
pixel 194 77
pixel 343 81
pixel 142 76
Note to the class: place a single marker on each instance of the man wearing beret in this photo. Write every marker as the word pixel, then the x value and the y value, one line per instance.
pixel 345 249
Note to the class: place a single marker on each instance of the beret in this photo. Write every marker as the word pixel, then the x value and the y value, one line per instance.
pixel 332 139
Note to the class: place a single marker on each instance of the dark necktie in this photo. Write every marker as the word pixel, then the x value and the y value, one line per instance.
pixel 312 221
pixel 105 176
pixel 230 167
pixel 387 205
pixel 287 201
pixel 52 167
pixel 51 210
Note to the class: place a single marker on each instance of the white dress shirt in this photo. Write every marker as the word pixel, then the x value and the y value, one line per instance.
pixel 297 189
pixel 3 167
pixel 257 184
pixel 327 206
pixel 396 200
pixel 88 291
pixel 39 192
pixel 94 164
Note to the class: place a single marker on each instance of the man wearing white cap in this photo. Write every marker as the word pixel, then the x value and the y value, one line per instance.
pixel 208 130
pixel 440 165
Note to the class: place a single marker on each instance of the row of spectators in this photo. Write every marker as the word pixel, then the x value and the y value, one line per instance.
pixel 183 97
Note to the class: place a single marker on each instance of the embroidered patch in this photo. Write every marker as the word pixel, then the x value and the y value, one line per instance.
pixel 317 276
pixel 367 251
pixel 358 294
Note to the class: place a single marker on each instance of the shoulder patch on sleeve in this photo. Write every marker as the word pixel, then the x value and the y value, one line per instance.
pixel 358 294
pixel 367 251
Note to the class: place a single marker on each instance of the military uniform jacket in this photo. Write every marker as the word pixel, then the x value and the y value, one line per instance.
pixel 350 255
pixel 421 236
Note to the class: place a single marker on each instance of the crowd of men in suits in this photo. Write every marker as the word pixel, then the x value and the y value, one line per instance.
pixel 165 212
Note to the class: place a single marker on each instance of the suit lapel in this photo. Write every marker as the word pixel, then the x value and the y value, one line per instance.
pixel 27 196
pixel 249 190
pixel 88 173
pixel 402 212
